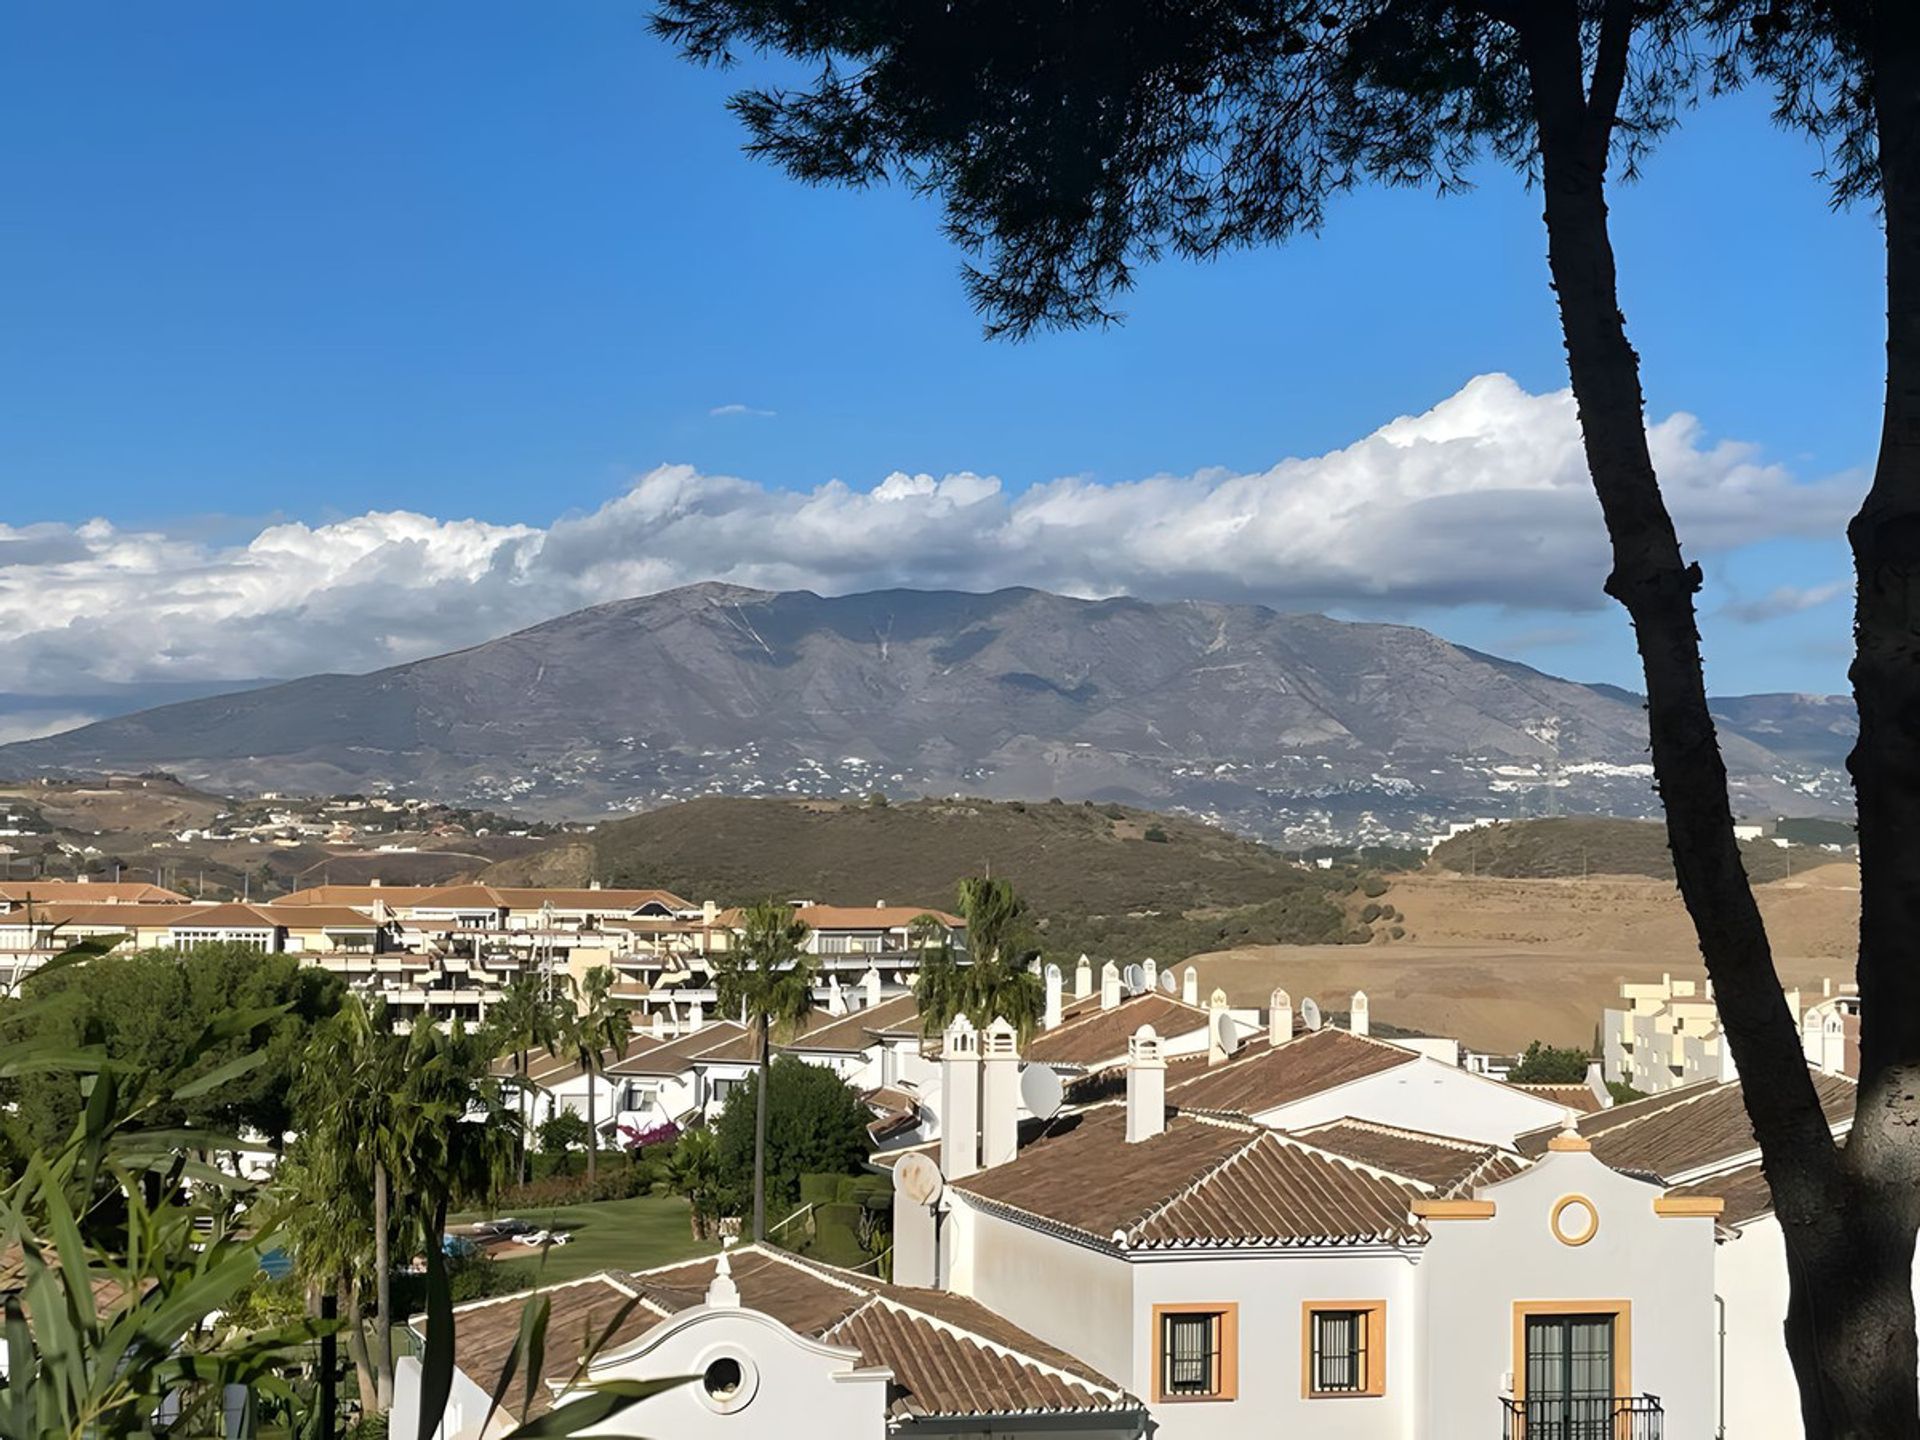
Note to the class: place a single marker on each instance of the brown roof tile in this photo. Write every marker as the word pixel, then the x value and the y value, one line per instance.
pixel 1746 1192
pixel 1684 1131
pixel 851 1034
pixel 1265 1077
pixel 1448 1166
pixel 800 1297
pixel 486 1331
pixel 672 1057
pixel 88 892
pixel 1099 1037
pixel 1578 1098
pixel 1198 1182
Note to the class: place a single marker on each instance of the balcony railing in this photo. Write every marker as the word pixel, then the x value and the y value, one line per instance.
pixel 1599 1417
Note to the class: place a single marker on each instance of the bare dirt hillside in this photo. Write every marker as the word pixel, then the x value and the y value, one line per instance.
pixel 1497 963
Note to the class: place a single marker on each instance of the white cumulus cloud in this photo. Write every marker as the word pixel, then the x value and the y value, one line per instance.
pixel 1482 499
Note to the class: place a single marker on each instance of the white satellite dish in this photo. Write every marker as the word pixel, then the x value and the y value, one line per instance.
pixel 1040 1091
pixel 1135 979
pixel 918 1179
pixel 1310 1013
pixel 1226 1034
pixel 1168 982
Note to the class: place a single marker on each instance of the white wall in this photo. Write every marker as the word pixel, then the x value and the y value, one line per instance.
pixel 801 1388
pixel 1750 1273
pixel 1475 1271
pixel 1270 1293
pixel 1426 1095
pixel 1067 1294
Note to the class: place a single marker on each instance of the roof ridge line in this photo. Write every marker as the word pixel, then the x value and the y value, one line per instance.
pixel 819 1271
pixel 997 1347
pixel 1471 1180
pixel 1378 1127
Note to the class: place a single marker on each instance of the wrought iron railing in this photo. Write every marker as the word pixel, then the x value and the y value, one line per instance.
pixel 1599 1417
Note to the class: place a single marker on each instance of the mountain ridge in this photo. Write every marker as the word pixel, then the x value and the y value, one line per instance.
pixel 1284 724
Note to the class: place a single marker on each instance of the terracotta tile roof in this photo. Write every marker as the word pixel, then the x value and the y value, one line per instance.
pixel 1265 1077
pixel 1579 1098
pixel 673 1057
pixel 126 916
pixel 395 896
pixel 851 1034
pixel 1684 1131
pixel 235 916
pixel 949 1355
pixel 608 898
pixel 88 892
pixel 1745 1191
pixel 551 1070
pixel 1099 1037
pixel 1449 1166
pixel 325 917
pixel 1200 1182
pixel 485 1332
pixel 871 917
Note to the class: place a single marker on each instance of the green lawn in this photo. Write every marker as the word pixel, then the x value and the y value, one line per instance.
pixel 632 1234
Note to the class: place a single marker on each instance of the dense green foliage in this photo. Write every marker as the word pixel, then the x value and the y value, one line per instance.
pixel 144 1009
pixel 996 981
pixel 815 1125
pixel 1545 1064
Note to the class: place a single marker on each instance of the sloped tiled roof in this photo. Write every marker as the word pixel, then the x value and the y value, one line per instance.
pixel 1264 1077
pixel 851 1034
pixel 486 1331
pixel 88 892
pixel 677 1055
pixel 1098 1037
pixel 1198 1183
pixel 1451 1167
pixel 950 1356
pixel 1681 1132
pixel 1745 1191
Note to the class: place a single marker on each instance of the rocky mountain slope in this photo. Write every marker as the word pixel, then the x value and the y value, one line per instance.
pixel 1289 726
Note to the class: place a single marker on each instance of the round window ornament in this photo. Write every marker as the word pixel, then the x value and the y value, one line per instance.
pixel 728 1383
pixel 1575 1220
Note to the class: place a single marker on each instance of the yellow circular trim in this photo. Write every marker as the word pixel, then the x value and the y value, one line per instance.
pixel 1575 1237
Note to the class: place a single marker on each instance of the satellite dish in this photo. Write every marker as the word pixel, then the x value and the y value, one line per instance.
pixel 1226 1034
pixel 1135 978
pixel 1040 1091
pixel 1168 982
pixel 1310 1013
pixel 918 1179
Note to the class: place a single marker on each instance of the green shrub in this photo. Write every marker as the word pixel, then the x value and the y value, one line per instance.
pixel 1369 913
pixel 1373 887
pixel 1155 834
pixel 820 1189
pixel 1549 1065
pixel 1398 932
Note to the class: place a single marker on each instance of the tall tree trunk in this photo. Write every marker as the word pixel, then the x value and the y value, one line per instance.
pixel 760 1138
pixel 1850 1322
pixel 520 1102
pixel 363 1368
pixel 382 1289
pixel 593 1129
pixel 1863 1352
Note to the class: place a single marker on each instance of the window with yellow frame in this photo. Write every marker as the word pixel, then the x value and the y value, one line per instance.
pixel 1343 1348
pixel 1196 1353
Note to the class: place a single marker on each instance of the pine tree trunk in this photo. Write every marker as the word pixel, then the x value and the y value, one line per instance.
pixel 520 1138
pixel 382 1290
pixel 1852 1339
pixel 1850 1325
pixel 760 1140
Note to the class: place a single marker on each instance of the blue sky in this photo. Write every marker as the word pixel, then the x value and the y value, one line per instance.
pixel 486 261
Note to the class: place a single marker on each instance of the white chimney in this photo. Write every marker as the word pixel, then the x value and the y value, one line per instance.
pixel 999 1093
pixel 659 1024
pixel 836 1002
pixel 696 1017
pixel 1216 1007
pixel 1152 971
pixel 1357 1020
pixel 709 913
pixel 870 983
pixel 1109 985
pixel 593 884
pixel 1146 1086
pixel 1051 1021
pixel 960 1100
pixel 1083 979
pixel 1190 986
pixel 1279 1018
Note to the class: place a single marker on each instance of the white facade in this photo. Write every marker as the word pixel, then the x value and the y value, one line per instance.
pixel 1427 1095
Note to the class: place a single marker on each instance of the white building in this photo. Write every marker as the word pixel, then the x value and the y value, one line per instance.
pixel 1666 1034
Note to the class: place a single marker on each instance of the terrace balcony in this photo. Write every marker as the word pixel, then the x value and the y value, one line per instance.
pixel 1583 1417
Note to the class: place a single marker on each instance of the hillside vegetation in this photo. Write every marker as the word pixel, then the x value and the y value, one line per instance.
pixel 1105 879
pixel 1570 847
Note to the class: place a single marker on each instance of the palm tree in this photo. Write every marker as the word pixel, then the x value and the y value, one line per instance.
pixel 995 980
pixel 525 1018
pixel 692 1170
pixel 598 1026
pixel 767 979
